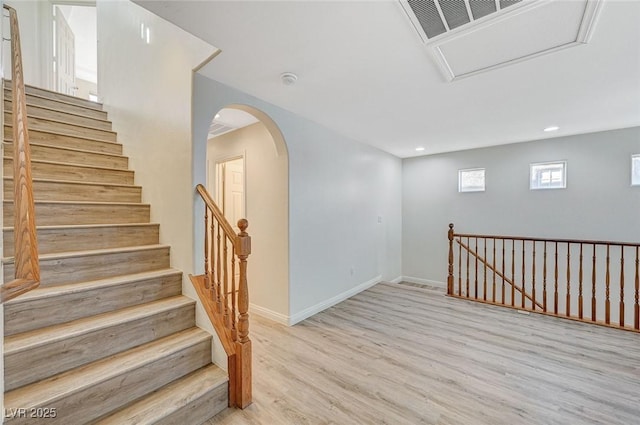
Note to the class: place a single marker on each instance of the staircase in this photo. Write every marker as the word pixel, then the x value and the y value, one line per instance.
pixel 108 337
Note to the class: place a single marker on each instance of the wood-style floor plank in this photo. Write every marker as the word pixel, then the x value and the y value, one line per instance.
pixel 396 354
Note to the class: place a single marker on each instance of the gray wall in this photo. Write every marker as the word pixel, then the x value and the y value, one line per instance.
pixel 337 190
pixel 598 203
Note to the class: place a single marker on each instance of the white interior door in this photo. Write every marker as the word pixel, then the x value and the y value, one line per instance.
pixel 230 193
pixel 64 56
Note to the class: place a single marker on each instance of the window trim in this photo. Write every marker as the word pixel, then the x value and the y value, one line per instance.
pixel 461 189
pixel 635 158
pixel 564 175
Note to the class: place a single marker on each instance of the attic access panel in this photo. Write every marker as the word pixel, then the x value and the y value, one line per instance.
pixel 495 37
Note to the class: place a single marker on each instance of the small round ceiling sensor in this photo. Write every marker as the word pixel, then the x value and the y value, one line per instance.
pixel 288 78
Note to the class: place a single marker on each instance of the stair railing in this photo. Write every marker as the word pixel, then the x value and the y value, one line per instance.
pixel 584 280
pixel 224 293
pixel 27 265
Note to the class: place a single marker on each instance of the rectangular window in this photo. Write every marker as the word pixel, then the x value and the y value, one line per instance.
pixel 471 180
pixel 548 175
pixel 635 170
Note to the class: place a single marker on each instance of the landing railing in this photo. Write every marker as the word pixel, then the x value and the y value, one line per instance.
pixel 27 266
pixel 589 281
pixel 225 296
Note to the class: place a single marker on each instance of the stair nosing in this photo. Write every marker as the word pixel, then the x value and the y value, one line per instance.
pixel 88 285
pixel 87 226
pixel 210 371
pixel 73 164
pixel 61 122
pixel 77 182
pixel 112 366
pixel 65 148
pixel 15 343
pixel 57 133
pixel 60 111
pixel 91 252
pixel 9 87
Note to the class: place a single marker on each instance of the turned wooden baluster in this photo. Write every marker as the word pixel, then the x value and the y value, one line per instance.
pixel 475 274
pixel 219 271
pixel 637 304
pixel 459 267
pixel 234 297
pixel 450 276
pixel 503 295
pixel 544 279
pixel 467 252
pixel 493 292
pixel 225 273
pixel 568 312
pixel 533 278
pixel 593 285
pixel 243 345
pixel 580 286
pixel 622 285
pixel 484 281
pixel 607 305
pixel 555 282
pixel 207 274
pixel 524 288
pixel 513 272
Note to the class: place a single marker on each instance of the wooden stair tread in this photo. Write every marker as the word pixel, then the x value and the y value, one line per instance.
pixel 60 290
pixel 75 182
pixel 169 399
pixel 71 164
pixel 55 95
pixel 48 391
pixel 63 148
pixel 92 252
pixel 38 337
pixel 57 133
pixel 33 117
pixel 86 202
pixel 60 111
pixel 87 226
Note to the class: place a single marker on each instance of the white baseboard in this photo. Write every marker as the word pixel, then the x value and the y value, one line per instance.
pixel 421 281
pixel 308 312
pixel 269 314
pixel 396 280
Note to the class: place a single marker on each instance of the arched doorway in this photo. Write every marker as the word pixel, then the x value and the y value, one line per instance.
pixel 248 174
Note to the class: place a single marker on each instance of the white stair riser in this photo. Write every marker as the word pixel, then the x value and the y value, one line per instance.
pixel 38 313
pixel 31 365
pixel 61 271
pixel 55 214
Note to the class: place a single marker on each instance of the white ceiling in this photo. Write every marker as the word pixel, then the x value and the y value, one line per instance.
pixel 364 71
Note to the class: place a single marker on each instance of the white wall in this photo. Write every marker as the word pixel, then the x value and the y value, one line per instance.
pixel 147 91
pixel 267 195
pixel 337 190
pixel 598 203
pixel 35 38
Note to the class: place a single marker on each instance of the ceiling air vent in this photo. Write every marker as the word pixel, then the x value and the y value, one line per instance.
pixel 218 129
pixel 437 17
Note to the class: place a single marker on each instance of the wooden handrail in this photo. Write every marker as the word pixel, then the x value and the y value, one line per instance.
pixel 225 295
pixel 552 276
pixel 27 265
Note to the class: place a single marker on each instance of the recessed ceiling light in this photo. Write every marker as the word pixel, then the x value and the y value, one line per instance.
pixel 419 149
pixel 217 117
pixel 552 128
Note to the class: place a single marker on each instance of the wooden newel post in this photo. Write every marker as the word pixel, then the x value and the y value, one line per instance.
pixel 243 344
pixel 450 276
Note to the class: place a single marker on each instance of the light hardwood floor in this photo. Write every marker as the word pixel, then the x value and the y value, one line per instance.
pixel 396 354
